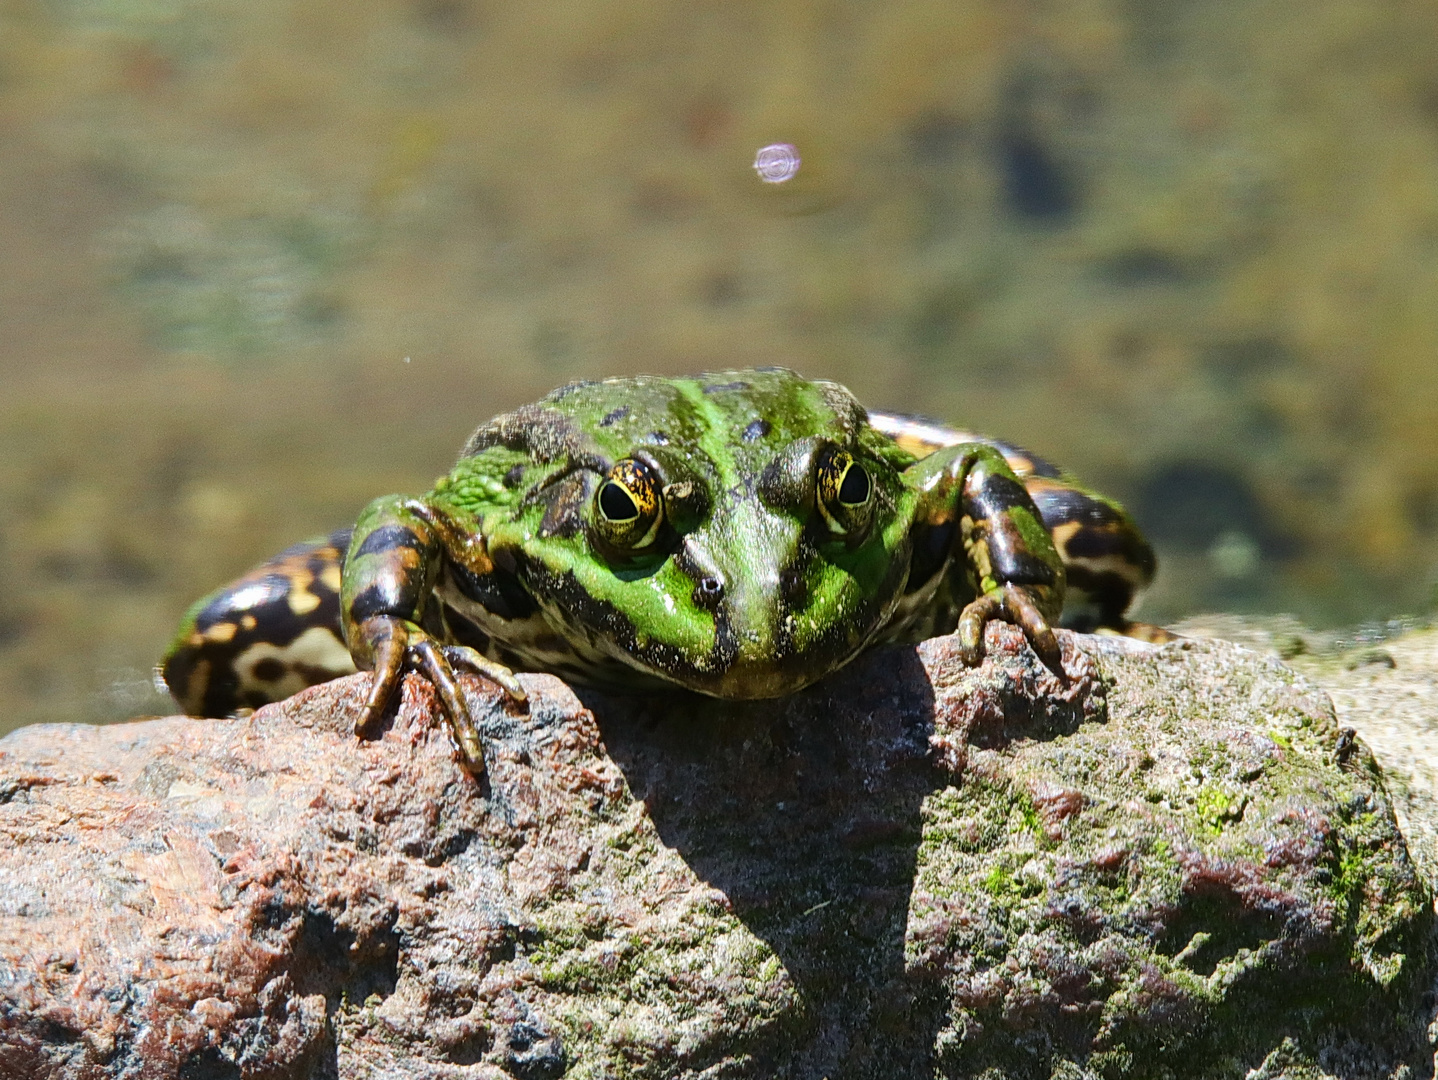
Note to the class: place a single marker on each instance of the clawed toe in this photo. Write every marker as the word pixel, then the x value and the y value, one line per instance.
pixel 1012 604
pixel 396 645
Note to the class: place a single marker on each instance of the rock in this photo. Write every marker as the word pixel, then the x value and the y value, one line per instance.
pixel 1173 862
pixel 1384 685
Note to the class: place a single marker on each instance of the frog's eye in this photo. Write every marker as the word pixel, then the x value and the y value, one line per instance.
pixel 629 507
pixel 846 494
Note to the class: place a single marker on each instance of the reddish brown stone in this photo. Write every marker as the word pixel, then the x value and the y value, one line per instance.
pixel 914 868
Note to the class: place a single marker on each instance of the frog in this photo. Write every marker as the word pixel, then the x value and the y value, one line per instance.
pixel 739 534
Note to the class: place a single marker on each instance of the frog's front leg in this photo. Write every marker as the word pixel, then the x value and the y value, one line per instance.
pixel 1007 554
pixel 387 600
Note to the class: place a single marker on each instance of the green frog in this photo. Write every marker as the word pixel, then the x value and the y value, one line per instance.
pixel 741 534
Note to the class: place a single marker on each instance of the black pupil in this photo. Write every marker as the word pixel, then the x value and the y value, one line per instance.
pixel 616 504
pixel 855 488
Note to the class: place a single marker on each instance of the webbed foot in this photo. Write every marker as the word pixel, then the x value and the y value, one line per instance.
pixel 1013 604
pixel 397 644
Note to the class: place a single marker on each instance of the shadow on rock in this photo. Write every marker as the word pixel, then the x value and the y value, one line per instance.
pixel 808 814
pixel 808 817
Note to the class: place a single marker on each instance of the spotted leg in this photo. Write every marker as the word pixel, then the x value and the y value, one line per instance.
pixel 1008 557
pixel 1107 560
pixel 387 594
pixel 264 636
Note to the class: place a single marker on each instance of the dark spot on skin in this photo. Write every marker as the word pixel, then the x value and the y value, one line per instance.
pixel 564 391
pixel 312 674
pixel 615 416
pixel 389 538
pixel 756 430
pixel 793 589
pixel 563 516
pixel 339 540
pixel 1097 543
pixel 1009 556
pixel 202 675
pixel 788 480
pixel 544 434
pixel 657 438
pixel 716 388
pixel 500 592
pixel 1059 505
pixel 377 599
pixel 997 495
pixel 269 670
pixel 991 499
pixel 514 476
pixel 1103 529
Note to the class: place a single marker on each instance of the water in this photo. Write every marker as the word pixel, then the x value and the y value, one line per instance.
pixel 263 262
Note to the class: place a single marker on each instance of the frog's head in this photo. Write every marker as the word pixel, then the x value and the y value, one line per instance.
pixel 741 534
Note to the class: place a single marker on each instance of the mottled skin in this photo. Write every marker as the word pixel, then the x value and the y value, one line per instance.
pixel 740 534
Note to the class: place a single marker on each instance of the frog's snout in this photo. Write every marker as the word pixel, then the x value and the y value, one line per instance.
pixel 755 659
pixel 709 592
pixel 753 654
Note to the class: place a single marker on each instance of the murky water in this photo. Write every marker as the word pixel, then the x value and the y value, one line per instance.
pixel 264 261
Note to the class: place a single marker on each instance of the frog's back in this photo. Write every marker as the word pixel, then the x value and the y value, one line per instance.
pixel 733 418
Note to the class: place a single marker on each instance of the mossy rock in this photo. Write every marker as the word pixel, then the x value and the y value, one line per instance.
pixel 1170 862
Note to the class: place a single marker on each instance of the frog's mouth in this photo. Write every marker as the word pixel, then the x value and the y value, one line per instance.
pixel 749 658
pixel 766 663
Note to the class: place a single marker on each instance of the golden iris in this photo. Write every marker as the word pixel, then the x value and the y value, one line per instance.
pixel 846 494
pixel 630 506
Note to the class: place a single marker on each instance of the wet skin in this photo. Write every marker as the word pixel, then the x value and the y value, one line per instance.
pixel 740 534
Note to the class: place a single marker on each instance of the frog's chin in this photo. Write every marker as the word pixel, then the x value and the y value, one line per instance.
pixel 749 684
pixel 751 681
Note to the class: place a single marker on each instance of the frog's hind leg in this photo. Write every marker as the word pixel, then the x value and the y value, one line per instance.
pixel 264 636
pixel 1107 559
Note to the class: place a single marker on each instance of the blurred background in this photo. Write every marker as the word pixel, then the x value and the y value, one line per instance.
pixel 261 261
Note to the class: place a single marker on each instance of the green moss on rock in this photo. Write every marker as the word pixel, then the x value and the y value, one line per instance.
pixel 1221 876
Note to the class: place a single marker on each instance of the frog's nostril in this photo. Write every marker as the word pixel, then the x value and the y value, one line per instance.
pixel 708 592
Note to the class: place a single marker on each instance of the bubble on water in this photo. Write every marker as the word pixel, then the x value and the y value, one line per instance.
pixel 777 162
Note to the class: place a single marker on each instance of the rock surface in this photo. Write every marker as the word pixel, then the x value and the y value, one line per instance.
pixel 1384 685
pixel 1174 862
